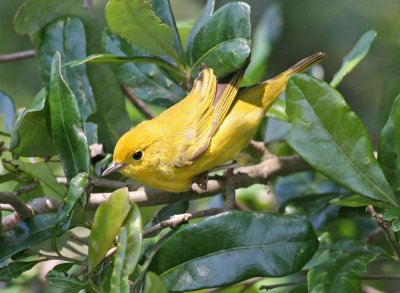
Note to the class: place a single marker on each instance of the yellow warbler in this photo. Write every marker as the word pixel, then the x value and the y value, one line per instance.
pixel 204 130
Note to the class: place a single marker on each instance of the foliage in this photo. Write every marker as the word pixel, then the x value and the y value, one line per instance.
pixel 81 106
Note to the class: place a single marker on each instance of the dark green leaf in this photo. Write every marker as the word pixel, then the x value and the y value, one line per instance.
pixel 42 174
pixel 225 57
pixel 133 18
pixel 392 213
pixel 153 284
pixel 357 201
pixel 340 274
pixel 203 18
pixel 149 82
pixel 68 37
pixel 25 255
pixel 60 279
pixel 7 110
pixel 345 153
pixel 128 251
pixel 111 116
pixel 102 164
pixel 91 133
pixel 266 32
pixel 354 57
pixel 231 22
pixel 33 15
pixel 162 8
pixel 107 222
pixel 66 124
pixel 30 132
pixel 389 146
pixel 15 269
pixel 76 191
pixel 28 233
pixel 271 245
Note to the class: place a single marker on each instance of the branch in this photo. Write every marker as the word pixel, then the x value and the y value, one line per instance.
pixel 138 103
pixel 17 56
pixel 22 211
pixel 269 168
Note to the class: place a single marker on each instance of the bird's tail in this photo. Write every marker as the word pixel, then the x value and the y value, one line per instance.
pixel 274 87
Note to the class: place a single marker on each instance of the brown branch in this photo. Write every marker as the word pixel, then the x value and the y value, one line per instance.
pixel 138 103
pixel 271 167
pixel 17 56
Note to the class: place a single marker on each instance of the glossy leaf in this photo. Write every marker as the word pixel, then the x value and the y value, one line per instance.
pixel 30 132
pixel 351 60
pixel 28 233
pixel 42 173
pixel 68 37
pixel 149 82
pixel 266 32
pixel 231 22
pixel 15 269
pixel 225 57
pixel 201 20
pixel 33 15
pixel 345 153
pixel 278 110
pixel 253 244
pixel 389 146
pixel 153 283
pixel 128 251
pixel 66 124
pixel 107 222
pixel 111 116
pixel 162 9
pixel 91 133
pixel 130 18
pixel 7 110
pixel 357 201
pixel 76 189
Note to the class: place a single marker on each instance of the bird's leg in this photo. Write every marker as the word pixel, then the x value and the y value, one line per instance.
pixel 201 180
pixel 230 190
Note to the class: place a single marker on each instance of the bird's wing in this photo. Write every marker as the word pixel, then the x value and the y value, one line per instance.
pixel 211 102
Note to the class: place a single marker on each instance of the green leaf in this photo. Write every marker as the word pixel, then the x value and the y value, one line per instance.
pixel 162 8
pixel 111 116
pixel 33 15
pixel 354 57
pixel 393 214
pixel 66 124
pixel 149 81
pixel 107 222
pixel 133 18
pixel 30 132
pixel 28 233
pixel 203 18
pixel 59 278
pixel 345 153
pixel 231 22
pixel 224 58
pixel 68 37
pixel 76 190
pixel 128 251
pixel 153 283
pixel 175 208
pixel 15 269
pixel 389 146
pixel 253 244
pixel 266 32
pixel 42 174
pixel 340 274
pixel 357 201
pixel 278 110
pixel 91 133
pixel 7 110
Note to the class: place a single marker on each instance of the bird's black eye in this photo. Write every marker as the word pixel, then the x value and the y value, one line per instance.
pixel 138 155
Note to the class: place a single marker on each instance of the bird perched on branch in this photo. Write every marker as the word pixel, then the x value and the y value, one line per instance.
pixel 206 129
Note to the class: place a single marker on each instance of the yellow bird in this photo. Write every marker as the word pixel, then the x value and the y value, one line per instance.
pixel 204 130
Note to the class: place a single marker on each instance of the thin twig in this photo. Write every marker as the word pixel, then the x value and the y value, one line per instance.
pixel 270 287
pixel 22 211
pixel 138 103
pixel 380 277
pixel 177 220
pixel 385 225
pixel 17 56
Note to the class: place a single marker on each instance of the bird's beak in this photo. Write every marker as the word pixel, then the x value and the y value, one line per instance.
pixel 114 166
